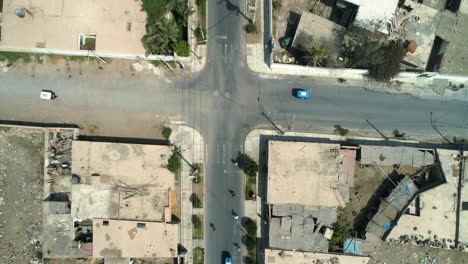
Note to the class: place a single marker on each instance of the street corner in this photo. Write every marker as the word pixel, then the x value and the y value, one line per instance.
pixel 188 139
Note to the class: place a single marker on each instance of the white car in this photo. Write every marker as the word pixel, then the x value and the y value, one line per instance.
pixel 48 95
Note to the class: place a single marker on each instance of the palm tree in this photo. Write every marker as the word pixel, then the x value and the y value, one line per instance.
pixel 182 8
pixel 160 37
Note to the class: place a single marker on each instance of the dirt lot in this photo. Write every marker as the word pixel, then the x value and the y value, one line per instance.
pixel 21 188
pixel 407 254
pixel 367 181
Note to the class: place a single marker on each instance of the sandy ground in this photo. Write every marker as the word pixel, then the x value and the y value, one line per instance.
pixel 407 254
pixel 21 181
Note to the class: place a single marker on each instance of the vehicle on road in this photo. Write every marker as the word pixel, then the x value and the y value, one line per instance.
pixel 47 95
pixel 301 93
pixel 228 260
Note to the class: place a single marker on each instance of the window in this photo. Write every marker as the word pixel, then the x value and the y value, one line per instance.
pixel 141 225
pixel 105 223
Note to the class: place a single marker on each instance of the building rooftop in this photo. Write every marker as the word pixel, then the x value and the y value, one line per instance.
pixel 374 15
pixel 305 173
pixel 421 25
pixel 296 257
pixel 322 31
pixel 128 181
pixel 433 214
pixel 121 239
pixel 390 208
pixel 48 25
pixel 389 156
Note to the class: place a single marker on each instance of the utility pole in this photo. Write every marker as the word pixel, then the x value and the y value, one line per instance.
pixel 437 130
pixel 378 131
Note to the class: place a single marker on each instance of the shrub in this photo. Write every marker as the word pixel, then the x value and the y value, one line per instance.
pixel 200 33
pixel 277 5
pixel 251 28
pixel 196 222
pixel 340 235
pixel 249 166
pixel 196 202
pixel 249 243
pixel 173 164
pixel 166 131
pixel 250 227
pixel 341 131
pixel 182 48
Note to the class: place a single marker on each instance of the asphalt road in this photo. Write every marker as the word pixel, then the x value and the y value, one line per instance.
pixel 223 102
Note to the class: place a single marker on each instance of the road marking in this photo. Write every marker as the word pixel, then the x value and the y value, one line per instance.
pixel 225 53
pixel 217 156
pixel 206 153
pixel 222 37
pixel 224 154
pixel 241 148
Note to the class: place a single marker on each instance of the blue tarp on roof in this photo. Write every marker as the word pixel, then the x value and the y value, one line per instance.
pixel 353 246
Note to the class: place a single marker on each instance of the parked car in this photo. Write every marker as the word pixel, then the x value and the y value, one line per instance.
pixel 47 95
pixel 301 93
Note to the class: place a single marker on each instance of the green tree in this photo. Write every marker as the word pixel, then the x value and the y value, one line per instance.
pixel 173 164
pixel 166 132
pixel 315 55
pixel 361 52
pixel 160 37
pixel 196 202
pixel 251 28
pixel 182 48
pixel 250 227
pixel 340 130
pixel 389 67
pixel 340 235
pixel 277 5
pixel 249 166
pixel 182 9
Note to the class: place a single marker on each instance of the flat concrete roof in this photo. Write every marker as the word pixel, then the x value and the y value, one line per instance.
pixel 57 24
pixel 273 256
pixel 422 31
pixel 123 239
pixel 128 181
pixel 437 215
pixel 304 173
pixel 322 31
pixel 374 15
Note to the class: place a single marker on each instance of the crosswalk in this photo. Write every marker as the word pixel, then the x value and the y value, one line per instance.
pixel 222 153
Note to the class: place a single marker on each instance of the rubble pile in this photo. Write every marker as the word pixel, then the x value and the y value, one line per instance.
pixel 433 241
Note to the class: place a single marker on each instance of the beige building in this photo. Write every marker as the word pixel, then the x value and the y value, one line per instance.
pixel 128 195
pixel 296 257
pixel 305 173
pixel 125 239
pixel 68 26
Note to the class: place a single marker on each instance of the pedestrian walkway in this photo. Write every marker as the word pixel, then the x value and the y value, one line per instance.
pixel 191 147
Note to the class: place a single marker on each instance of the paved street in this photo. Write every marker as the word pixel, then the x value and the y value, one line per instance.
pixel 223 102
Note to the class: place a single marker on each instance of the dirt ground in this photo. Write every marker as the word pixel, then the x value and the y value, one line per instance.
pixel 367 180
pixel 21 189
pixel 407 254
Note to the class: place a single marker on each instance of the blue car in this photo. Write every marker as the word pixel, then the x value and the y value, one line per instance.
pixel 301 93
pixel 228 260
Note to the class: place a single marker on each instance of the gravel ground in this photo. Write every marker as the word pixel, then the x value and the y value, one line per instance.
pixel 408 254
pixel 21 182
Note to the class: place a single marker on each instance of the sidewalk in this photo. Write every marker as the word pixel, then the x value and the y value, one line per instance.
pixel 191 146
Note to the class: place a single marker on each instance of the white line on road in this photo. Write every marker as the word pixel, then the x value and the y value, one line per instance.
pixel 225 53
pixel 222 37
pixel 224 154
pixel 241 148
pixel 206 153
pixel 217 156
